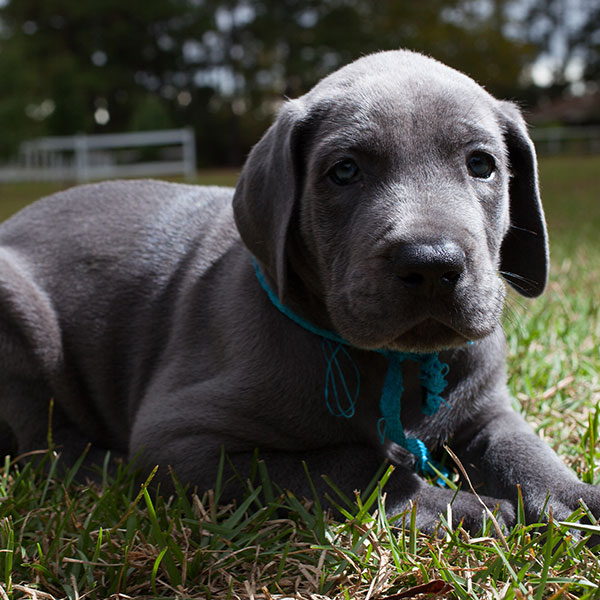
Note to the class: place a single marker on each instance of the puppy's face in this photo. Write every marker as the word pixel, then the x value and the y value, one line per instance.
pixel 404 207
pixel 384 192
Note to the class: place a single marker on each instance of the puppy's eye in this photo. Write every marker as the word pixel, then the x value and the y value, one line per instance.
pixel 344 172
pixel 481 165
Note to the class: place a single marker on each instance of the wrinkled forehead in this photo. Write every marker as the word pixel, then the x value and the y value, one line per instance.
pixel 433 106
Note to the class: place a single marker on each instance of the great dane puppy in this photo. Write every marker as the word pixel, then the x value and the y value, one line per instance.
pixel 309 313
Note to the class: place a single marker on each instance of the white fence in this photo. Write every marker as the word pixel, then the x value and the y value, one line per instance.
pixel 173 152
pixel 557 140
pixel 86 157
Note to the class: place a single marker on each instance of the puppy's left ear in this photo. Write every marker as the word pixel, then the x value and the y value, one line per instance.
pixel 267 191
pixel 524 255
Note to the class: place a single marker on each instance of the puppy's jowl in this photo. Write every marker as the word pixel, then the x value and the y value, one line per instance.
pixel 341 306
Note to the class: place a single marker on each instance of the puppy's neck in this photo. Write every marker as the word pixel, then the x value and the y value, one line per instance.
pixel 303 292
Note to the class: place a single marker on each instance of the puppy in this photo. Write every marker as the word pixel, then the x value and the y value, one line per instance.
pixel 340 307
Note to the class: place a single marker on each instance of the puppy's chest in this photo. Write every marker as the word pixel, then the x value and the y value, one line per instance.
pixel 321 394
pixel 337 393
pixel 417 414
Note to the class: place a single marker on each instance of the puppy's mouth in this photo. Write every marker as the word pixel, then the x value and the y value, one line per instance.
pixel 429 335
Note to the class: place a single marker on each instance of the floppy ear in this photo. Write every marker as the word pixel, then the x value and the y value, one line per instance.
pixel 524 256
pixel 268 188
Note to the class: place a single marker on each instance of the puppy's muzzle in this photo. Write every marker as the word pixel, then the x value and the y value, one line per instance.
pixel 429 269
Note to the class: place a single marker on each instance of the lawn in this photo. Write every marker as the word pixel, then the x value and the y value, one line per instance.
pixel 59 539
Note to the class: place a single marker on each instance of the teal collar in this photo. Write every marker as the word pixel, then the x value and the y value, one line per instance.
pixel 432 378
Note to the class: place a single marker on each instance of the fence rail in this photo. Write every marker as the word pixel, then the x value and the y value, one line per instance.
pixel 173 152
pixel 558 140
pixel 86 157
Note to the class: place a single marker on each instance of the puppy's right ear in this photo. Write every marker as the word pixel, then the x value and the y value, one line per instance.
pixel 524 261
pixel 267 191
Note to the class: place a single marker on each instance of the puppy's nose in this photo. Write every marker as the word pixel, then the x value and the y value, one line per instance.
pixel 431 268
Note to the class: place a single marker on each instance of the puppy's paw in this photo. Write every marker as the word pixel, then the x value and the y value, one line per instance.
pixel 466 510
pixel 469 510
pixel 588 497
pixel 562 503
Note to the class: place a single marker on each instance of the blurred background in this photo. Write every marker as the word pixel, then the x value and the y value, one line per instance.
pixel 221 69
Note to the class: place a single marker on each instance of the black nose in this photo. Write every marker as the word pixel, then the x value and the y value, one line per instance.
pixel 430 268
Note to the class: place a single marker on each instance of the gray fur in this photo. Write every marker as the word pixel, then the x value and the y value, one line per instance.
pixel 136 307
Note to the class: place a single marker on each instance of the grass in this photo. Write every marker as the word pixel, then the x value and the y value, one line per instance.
pixel 61 539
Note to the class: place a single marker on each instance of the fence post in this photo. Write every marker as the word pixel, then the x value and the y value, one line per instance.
pixel 554 140
pixel 189 152
pixel 81 158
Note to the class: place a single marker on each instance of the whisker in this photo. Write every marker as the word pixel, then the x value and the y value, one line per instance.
pixel 515 280
pixel 511 226
pixel 517 277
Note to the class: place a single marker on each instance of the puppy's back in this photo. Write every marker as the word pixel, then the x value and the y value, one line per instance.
pixel 89 273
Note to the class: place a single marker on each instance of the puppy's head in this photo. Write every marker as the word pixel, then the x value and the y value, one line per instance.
pixel 390 202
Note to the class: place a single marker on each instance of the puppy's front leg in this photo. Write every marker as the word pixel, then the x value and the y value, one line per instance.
pixel 504 451
pixel 349 467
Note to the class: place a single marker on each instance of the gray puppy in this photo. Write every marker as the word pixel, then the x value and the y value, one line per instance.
pixel 310 313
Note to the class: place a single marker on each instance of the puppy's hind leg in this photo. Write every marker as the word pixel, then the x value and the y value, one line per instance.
pixel 36 423
pixel 30 355
pixel 26 416
pixel 31 370
pixel 8 441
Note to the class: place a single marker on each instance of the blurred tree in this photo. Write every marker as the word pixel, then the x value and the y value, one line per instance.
pixel 222 65
pixel 265 50
pixel 17 95
pixel 466 34
pixel 90 64
pixel 151 113
pixel 566 34
pixel 590 34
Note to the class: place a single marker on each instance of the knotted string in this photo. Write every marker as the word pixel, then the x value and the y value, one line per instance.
pixel 333 372
pixel 432 377
pixel 390 426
